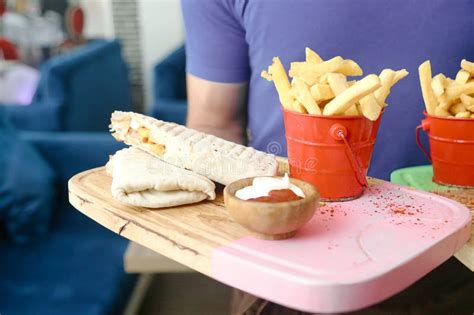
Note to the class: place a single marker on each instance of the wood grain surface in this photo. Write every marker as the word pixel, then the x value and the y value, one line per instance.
pixel 187 234
pixel 466 197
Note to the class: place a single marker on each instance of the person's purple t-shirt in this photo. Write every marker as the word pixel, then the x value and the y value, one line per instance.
pixel 234 40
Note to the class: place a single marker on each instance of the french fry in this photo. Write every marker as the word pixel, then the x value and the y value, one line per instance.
pixel 350 68
pixel 321 92
pixel 327 66
pixel 310 78
pixel 297 107
pixel 457 108
pixel 276 73
pixel 468 66
pixel 303 95
pixel 323 103
pixel 353 94
pixel 387 76
pixel 323 79
pixel 400 74
pixel 463 115
pixel 462 76
pixel 352 111
pixel 321 86
pixel 444 105
pixel 449 81
pixel 370 107
pixel 144 134
pixel 264 74
pixel 438 84
pixel 454 91
pixel 468 101
pixel 443 101
pixel 441 112
pixel 337 82
pixel 425 82
pixel 351 82
pixel 309 72
pixel 443 79
pixel 312 56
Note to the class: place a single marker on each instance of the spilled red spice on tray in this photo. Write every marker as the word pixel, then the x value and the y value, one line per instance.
pixel 395 207
pixel 329 211
pixel 397 203
pixel 399 210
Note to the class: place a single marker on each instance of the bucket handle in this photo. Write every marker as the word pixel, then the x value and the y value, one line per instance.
pixel 340 132
pixel 418 141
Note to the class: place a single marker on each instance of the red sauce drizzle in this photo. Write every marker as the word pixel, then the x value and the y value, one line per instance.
pixel 278 195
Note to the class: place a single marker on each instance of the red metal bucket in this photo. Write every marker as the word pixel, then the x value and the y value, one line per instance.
pixel 331 152
pixel 452 149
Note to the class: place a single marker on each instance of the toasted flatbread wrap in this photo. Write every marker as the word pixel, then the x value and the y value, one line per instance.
pixel 140 179
pixel 217 159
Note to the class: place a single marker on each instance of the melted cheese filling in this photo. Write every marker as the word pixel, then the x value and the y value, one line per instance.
pixel 142 135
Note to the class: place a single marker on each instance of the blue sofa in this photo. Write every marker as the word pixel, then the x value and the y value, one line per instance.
pixel 77 267
pixel 170 99
pixel 73 266
pixel 77 91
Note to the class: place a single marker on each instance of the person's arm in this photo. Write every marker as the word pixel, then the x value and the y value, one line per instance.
pixel 217 67
pixel 217 108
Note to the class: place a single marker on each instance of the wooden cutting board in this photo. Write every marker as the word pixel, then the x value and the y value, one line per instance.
pixel 349 256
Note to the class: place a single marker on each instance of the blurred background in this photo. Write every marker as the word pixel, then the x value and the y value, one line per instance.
pixel 65 65
pixel 148 31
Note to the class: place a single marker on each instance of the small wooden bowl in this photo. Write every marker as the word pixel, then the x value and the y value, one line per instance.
pixel 271 220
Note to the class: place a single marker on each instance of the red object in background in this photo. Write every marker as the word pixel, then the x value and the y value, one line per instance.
pixel 331 152
pixel 452 149
pixel 75 22
pixel 8 50
pixel 3 7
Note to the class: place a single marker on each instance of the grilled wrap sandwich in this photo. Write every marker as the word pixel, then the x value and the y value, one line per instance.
pixel 217 159
pixel 140 179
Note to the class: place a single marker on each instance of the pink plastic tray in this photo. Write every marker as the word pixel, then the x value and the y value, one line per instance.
pixel 351 254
